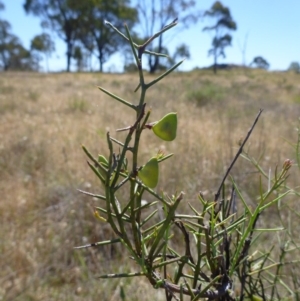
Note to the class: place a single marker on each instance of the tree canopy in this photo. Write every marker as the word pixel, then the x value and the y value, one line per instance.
pixel 13 56
pixel 60 16
pixel 224 23
pixel 83 22
pixel 43 44
pixel 294 66
pixel 260 62
pixel 93 33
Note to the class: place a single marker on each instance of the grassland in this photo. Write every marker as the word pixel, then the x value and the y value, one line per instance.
pixel 44 119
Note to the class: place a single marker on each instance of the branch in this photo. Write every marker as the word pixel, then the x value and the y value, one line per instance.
pixel 210 294
pixel 135 45
pixel 167 27
pixel 237 154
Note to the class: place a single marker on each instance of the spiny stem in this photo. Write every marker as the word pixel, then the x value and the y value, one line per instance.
pixel 240 150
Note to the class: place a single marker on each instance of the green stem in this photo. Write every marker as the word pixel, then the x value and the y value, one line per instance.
pixel 136 201
pixel 164 75
pixel 130 105
pixel 165 225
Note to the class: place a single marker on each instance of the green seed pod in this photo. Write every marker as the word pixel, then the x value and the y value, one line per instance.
pixel 166 127
pixel 102 159
pixel 149 173
pixel 103 162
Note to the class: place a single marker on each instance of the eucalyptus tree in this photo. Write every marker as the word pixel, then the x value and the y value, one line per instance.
pixel 61 17
pixel 294 66
pixel 260 62
pixel 7 40
pixel 13 55
pixel 95 35
pixel 181 52
pixel 156 14
pixel 83 21
pixel 43 43
pixel 224 23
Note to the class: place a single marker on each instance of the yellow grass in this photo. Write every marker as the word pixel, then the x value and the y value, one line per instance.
pixel 44 119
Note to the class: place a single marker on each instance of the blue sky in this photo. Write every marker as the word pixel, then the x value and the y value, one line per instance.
pixel 271 28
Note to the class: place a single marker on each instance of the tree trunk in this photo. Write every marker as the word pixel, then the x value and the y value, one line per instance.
pixel 215 63
pixel 69 54
pixel 5 62
pixel 100 65
pixel 100 57
pixel 154 65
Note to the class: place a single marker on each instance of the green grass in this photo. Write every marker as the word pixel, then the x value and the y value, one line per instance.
pixel 206 93
pixel 78 104
pixel 33 96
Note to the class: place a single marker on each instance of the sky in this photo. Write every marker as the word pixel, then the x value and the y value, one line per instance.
pixel 267 28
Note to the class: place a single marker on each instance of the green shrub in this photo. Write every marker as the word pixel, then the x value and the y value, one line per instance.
pixel 215 252
pixel 208 93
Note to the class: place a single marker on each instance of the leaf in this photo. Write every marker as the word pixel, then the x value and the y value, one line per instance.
pixel 166 128
pixel 149 173
pixel 99 217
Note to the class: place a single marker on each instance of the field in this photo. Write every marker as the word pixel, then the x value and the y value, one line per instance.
pixel 44 120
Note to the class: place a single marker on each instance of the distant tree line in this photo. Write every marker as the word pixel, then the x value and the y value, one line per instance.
pixel 81 25
pixel 13 56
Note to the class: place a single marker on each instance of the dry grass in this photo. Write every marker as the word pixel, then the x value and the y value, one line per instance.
pixel 44 120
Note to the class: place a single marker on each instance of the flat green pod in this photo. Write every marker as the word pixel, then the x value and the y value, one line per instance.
pixel 102 159
pixel 166 128
pixel 149 173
